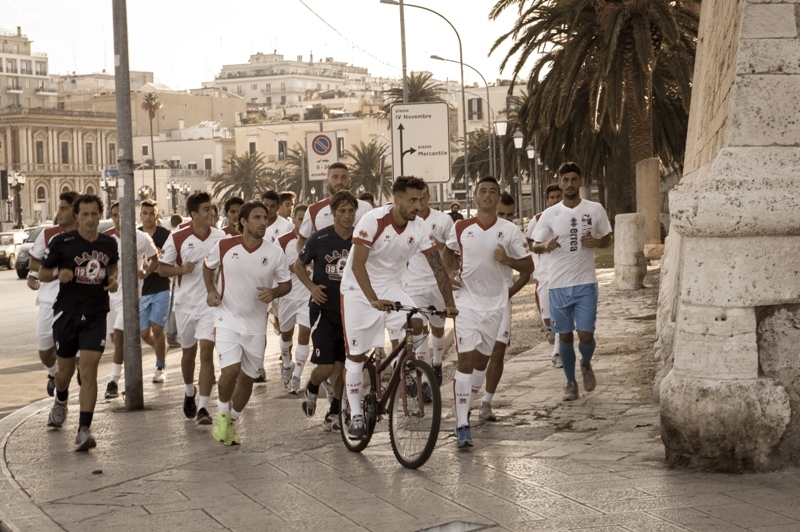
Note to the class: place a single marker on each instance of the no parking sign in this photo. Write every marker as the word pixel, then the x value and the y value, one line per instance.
pixel 321 153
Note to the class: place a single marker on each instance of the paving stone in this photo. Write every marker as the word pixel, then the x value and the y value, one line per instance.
pixel 747 515
pixel 683 501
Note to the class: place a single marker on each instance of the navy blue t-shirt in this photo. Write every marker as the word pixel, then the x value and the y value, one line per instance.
pixel 85 294
pixel 329 252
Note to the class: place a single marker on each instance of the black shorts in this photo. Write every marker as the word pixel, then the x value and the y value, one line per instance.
pixel 327 336
pixel 73 332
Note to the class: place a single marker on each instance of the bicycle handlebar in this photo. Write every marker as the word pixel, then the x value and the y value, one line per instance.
pixel 431 311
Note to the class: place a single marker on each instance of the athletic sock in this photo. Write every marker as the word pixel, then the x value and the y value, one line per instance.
pixel 487 398
pixel 51 371
pixel 313 388
pixel 161 364
pixel 203 402
pixel 587 350
pixel 235 415
pixel 476 383
pixel 567 352
pixel 556 343
pixel 85 419
pixel 286 352
pixel 462 384
pixel 190 389
pixel 438 349
pixel 336 405
pixel 353 383
pixel 300 357
pixel 224 408
pixel 421 347
pixel 62 397
pixel 116 371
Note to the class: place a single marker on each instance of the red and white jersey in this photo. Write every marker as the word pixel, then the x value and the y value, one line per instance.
pixel 288 243
pixel 146 250
pixel 186 246
pixel 318 216
pixel 484 281
pixel 228 230
pixel 184 225
pixel 46 295
pixel 241 271
pixel 541 262
pixel 419 276
pixel 280 226
pixel 391 247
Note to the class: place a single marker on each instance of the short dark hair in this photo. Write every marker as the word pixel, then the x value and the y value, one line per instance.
pixel 457 204
pixel 194 201
pixel 341 197
pixel 366 196
pixel 487 179
pixel 230 202
pixel 507 199
pixel 111 207
pixel 568 167
pixel 175 220
pixel 552 187
pixel 148 203
pixel 271 195
pixel 69 196
pixel 336 165
pixel 286 195
pixel 404 182
pixel 245 211
pixel 87 198
pixel 299 207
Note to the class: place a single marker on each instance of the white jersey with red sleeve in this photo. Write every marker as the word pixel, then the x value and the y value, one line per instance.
pixel 541 262
pixel 242 271
pixel 185 246
pixel 391 247
pixel 418 277
pixel 46 295
pixel 318 216
pixel 278 227
pixel 145 250
pixel 288 243
pixel 484 281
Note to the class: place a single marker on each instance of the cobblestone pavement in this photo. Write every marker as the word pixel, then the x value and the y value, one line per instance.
pixel 595 464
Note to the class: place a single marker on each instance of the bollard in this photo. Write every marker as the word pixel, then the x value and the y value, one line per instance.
pixel 629 264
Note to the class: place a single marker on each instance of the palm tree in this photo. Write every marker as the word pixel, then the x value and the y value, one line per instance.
pixel 297 170
pixel 151 104
pixel 421 88
pixel 614 77
pixel 366 168
pixel 316 112
pixel 247 176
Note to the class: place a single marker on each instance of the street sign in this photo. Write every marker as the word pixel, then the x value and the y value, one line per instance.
pixel 421 141
pixel 320 153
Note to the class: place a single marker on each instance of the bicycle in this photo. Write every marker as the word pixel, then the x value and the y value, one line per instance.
pixel 413 422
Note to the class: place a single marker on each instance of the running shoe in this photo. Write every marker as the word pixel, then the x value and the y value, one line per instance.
pixel 220 431
pixel 464 437
pixel 427 392
pixel 84 440
pixel 112 390
pixel 231 438
pixel 331 421
pixel 203 417
pixel 551 338
pixel 172 341
pixel 309 403
pixel 556 360
pixel 485 412
pixel 411 386
pixel 160 375
pixel 294 386
pixel 570 391
pixel 57 414
pixel 328 390
pixel 190 405
pixel 51 386
pixel 437 370
pixel 589 382
pixel 358 429
pixel 286 375
pixel 262 376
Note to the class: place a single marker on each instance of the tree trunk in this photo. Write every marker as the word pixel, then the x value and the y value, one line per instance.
pixel 153 155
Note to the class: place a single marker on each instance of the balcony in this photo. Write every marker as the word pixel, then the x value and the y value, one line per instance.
pixel 11 71
pixel 14 90
pixel 47 91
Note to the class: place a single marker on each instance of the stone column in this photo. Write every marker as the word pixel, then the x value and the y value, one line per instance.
pixel 648 203
pixel 731 292
pixel 629 264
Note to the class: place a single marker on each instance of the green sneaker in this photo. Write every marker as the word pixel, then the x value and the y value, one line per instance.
pixel 231 438
pixel 220 431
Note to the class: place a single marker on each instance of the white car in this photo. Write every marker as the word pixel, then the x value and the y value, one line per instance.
pixel 9 245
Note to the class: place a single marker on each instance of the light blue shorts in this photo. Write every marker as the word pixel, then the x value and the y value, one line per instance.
pixel 153 308
pixel 573 307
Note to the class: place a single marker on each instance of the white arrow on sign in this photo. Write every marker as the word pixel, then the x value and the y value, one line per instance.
pixel 421 141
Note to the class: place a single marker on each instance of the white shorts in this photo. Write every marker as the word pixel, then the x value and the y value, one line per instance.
pixel 364 325
pixel 291 312
pixel 245 349
pixel 477 330
pixel 44 327
pixel 543 297
pixel 115 318
pixel 504 333
pixel 194 327
pixel 426 299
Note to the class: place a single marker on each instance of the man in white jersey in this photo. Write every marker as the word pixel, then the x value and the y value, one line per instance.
pixel 184 251
pixel 420 284
pixel 569 232
pixel 47 292
pixel 115 322
pixel 231 209
pixel 383 241
pixel 286 201
pixel 505 211
pixel 541 262
pixel 294 310
pixel 483 292
pixel 249 265
pixel 318 216
pixel 276 225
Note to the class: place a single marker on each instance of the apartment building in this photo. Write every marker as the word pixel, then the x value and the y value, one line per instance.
pixel 24 74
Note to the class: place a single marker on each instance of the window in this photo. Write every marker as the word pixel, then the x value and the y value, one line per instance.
pixel 41 103
pixel 268 100
pixel 268 88
pixel 145 150
pixel 475 106
pixel 254 86
pixel 281 150
pixel 65 153
pixel 89 153
pixel 319 86
pixel 41 69
pixel 163 119
pixel 39 152
pixel 112 154
pixel 65 188
pixel 239 90
pixel 25 67
pixel 41 194
pixel 252 147
pixel 90 189
pixel 208 163
pixel 283 86
pixel 340 147
pixel 191 166
pixel 283 100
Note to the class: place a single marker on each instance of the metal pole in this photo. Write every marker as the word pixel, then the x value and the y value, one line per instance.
pixel 503 161
pixel 303 187
pixel 534 187
pixel 380 184
pixel 403 50
pixel 134 395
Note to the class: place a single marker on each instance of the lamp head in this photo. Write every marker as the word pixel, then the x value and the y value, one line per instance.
pixel 437 58
pixel 500 128
pixel 390 2
pixel 531 151
pixel 519 138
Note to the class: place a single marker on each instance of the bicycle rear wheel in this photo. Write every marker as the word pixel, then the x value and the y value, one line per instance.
pixel 368 406
pixel 414 426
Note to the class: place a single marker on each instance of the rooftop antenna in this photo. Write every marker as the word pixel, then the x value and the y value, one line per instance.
pixel 74 58
pixel 105 51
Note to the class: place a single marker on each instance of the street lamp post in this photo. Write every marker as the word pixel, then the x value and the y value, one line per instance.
pixel 500 127
pixel 519 140
pixel 17 184
pixel 185 191
pixel 109 184
pixel 530 150
pixel 9 203
pixel 313 194
pixel 172 188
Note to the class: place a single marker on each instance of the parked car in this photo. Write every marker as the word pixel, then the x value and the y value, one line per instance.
pixel 9 246
pixel 23 255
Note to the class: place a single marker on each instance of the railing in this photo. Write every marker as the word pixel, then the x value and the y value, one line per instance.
pixel 57 112
pixel 234 75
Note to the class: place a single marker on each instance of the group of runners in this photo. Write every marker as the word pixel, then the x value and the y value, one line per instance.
pixel 335 270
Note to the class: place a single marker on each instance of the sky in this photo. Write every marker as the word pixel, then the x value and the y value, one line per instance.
pixel 186 42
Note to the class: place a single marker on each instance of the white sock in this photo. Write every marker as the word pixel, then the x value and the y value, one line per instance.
pixel 300 357
pixel 116 371
pixel 353 383
pixel 51 371
pixel 461 390
pixel 235 415
pixel 438 349
pixel 421 347
pixel 476 382
pixel 203 402
pixel 224 408
pixel 286 352
pixel 487 398
pixel 189 390
pixel 555 344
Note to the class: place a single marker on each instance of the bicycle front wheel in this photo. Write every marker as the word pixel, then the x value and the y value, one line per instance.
pixel 413 423
pixel 369 408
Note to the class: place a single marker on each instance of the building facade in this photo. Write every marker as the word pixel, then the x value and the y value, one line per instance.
pixel 24 75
